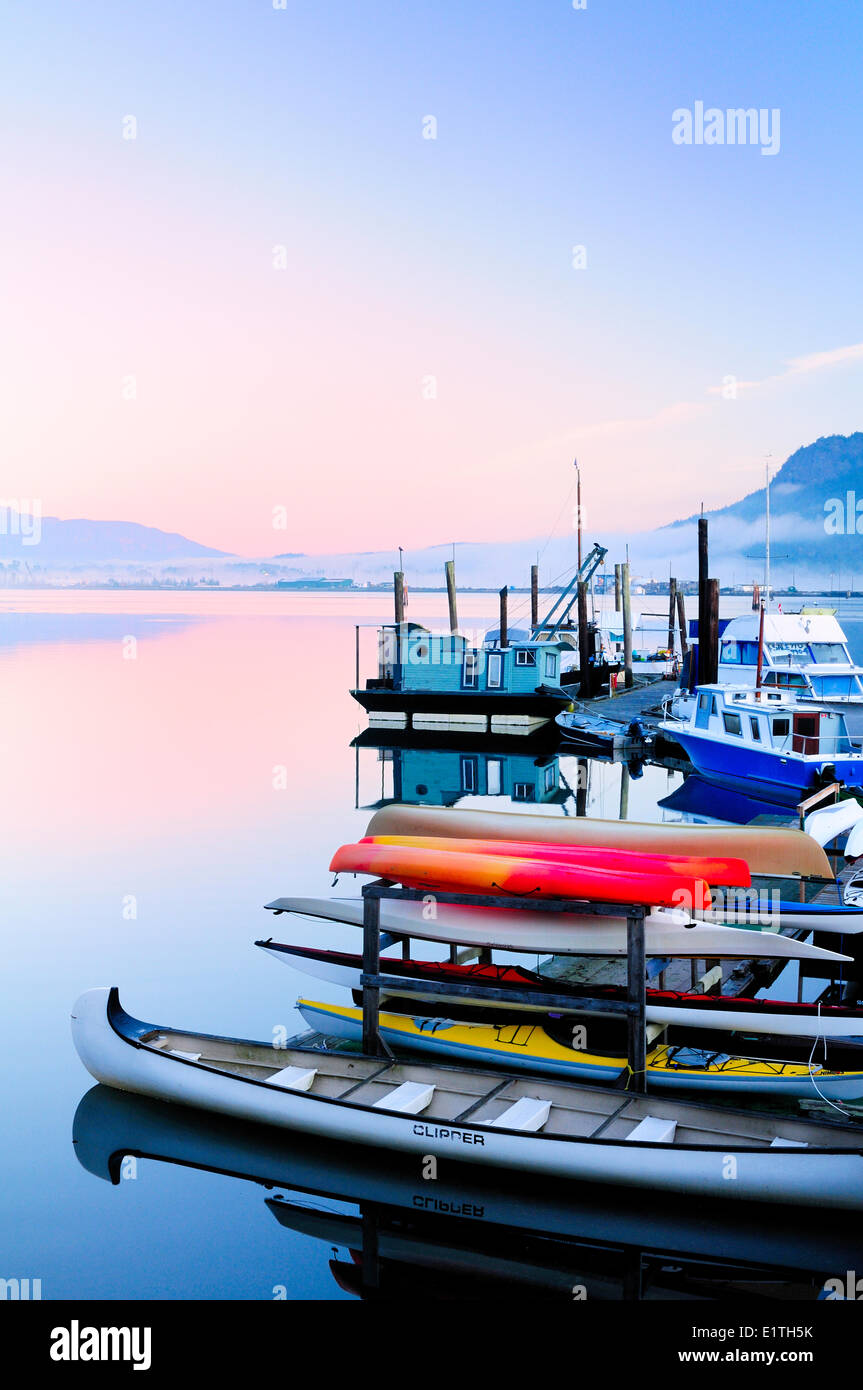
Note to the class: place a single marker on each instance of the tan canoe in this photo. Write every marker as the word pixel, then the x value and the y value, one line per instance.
pixel 767 849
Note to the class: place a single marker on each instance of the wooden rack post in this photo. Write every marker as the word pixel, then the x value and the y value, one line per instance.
pixel 371 970
pixel 636 996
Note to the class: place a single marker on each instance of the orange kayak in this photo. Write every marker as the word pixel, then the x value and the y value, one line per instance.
pixel 721 871
pixel 506 875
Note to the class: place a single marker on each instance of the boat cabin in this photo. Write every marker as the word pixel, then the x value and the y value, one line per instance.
pixel 411 658
pixel 769 721
pixel 804 652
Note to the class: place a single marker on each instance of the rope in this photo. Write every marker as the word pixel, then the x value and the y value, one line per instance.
pixel 849 1114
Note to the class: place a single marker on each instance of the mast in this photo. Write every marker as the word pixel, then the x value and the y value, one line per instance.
pixel 767 533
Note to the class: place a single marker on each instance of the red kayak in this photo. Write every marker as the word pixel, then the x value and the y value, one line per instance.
pixel 720 871
pixel 504 875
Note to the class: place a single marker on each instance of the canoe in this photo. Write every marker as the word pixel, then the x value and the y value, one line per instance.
pixel 766 849
pixel 778 1017
pixel 559 934
pixel 725 872
pixel 529 1047
pixel 564 1130
pixel 110 1124
pixel 507 876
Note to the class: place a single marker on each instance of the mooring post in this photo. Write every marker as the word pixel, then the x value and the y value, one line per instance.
pixel 371 966
pixel 617 588
pixel 449 568
pixel 534 596
pixel 583 650
pixel 627 626
pixel 711 635
pixel 672 613
pixel 636 994
pixel 681 622
pixel 703 564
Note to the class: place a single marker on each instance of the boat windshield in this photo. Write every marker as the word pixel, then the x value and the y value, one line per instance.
pixel 832 686
pixel 808 654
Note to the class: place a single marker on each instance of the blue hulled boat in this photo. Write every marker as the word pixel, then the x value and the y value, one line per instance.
pixel 766 741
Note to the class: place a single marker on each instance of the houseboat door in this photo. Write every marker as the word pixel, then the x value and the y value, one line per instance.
pixel 806 733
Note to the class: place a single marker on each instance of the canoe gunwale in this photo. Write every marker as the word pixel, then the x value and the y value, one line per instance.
pixel 116 1016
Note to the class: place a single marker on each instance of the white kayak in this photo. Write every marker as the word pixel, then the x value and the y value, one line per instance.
pixel 667 932
pixel 806 1021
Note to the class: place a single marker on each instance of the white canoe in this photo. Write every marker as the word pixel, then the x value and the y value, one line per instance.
pixel 667 933
pixel 793 1024
pixel 537 1125
pixel 766 849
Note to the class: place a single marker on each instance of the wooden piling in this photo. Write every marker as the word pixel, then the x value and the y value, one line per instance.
pixel 399 595
pixel 534 596
pixel 504 634
pixel 617 588
pixel 681 623
pixel 710 640
pixel 625 599
pixel 583 642
pixel 672 612
pixel 372 967
pixel 635 990
pixel 703 563
pixel 449 567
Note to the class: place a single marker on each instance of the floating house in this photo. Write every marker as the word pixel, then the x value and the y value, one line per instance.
pixel 444 775
pixel 430 680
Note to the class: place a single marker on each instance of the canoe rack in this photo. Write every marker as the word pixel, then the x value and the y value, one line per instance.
pixel 373 982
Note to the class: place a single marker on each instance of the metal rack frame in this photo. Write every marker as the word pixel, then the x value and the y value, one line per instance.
pixel 374 982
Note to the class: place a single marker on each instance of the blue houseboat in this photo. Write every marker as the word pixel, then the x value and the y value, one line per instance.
pixel 430 680
pixel 766 741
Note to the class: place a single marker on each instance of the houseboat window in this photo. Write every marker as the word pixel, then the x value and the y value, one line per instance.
pixel 781 728
pixel 525 657
pixel 522 791
pixel 495 668
pixel 550 777
pixel 469 670
pixel 732 724
pixel 756 728
pixel 468 774
pixel 550 665
pixel 748 653
pixel 829 653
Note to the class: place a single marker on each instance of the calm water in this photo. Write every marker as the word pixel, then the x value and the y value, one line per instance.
pixel 142 830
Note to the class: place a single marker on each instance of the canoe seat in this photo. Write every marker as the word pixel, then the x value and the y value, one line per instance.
pixel 410 1098
pixel 187 1056
pixel 653 1130
pixel 293 1078
pixel 527 1113
pixel 780 1143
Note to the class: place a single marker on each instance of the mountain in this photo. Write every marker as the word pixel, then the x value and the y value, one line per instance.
pixel 814 542
pixel 81 542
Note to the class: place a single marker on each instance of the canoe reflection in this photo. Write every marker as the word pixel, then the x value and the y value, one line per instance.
pixel 457 1237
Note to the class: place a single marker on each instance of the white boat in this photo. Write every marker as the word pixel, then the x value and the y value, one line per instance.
pixel 805 654
pixel 667 933
pixel 516 1123
pixel 766 742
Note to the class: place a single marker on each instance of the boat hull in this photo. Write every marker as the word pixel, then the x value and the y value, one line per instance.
pixel 544 933
pixel 110 1045
pixel 799 1021
pixel 767 850
pixel 786 779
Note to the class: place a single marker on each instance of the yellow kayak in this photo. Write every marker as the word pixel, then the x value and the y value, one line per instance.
pixel 531 1047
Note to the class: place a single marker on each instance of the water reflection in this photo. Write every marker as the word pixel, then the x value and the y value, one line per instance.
pixel 396 1234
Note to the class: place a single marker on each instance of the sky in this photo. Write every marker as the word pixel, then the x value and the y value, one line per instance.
pixel 247 299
